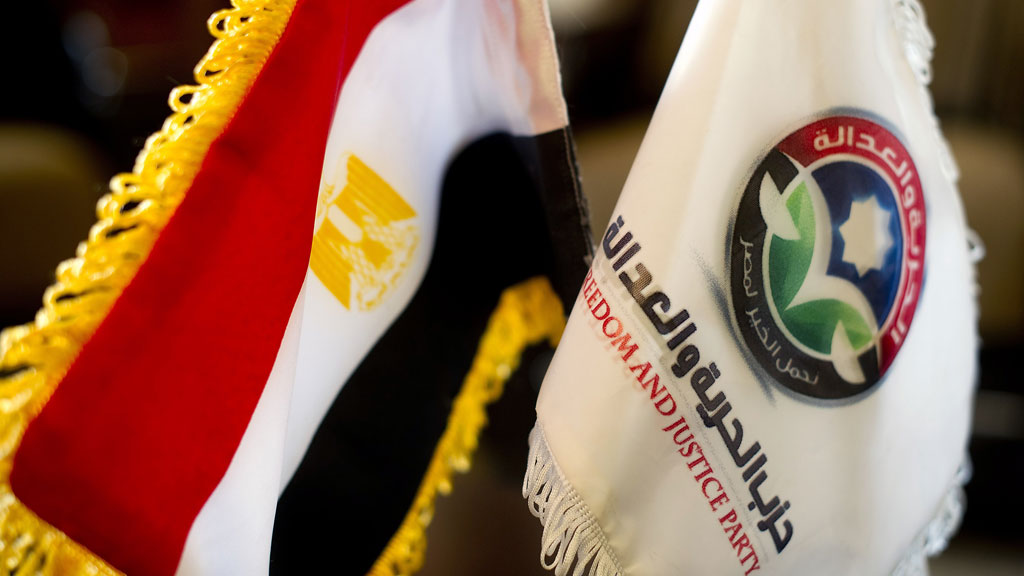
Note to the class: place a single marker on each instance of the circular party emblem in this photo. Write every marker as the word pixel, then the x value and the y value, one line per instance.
pixel 827 256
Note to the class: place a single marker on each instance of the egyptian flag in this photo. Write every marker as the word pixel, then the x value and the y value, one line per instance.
pixel 769 366
pixel 280 338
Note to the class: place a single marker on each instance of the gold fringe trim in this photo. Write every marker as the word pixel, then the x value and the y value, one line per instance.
pixel 34 357
pixel 528 313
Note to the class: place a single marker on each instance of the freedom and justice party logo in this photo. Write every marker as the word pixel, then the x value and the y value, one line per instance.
pixel 827 256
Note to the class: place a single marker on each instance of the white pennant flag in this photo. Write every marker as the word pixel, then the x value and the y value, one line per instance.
pixel 769 368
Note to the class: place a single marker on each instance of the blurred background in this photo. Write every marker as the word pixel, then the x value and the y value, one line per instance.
pixel 87 81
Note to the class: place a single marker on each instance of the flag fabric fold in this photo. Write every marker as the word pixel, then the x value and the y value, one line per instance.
pixel 319 217
pixel 769 367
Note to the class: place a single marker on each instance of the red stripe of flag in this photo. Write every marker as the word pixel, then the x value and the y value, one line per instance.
pixel 144 425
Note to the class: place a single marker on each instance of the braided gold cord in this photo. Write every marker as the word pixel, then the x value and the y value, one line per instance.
pixel 34 357
pixel 527 314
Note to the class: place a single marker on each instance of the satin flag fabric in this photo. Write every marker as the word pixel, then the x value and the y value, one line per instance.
pixel 310 233
pixel 769 368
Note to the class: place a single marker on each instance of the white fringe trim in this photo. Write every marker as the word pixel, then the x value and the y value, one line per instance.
pixel 936 535
pixel 572 538
pixel 918 45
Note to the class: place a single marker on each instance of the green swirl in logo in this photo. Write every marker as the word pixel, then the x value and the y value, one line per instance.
pixel 812 322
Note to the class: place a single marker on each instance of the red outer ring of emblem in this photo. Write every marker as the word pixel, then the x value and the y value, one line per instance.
pixel 867 140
